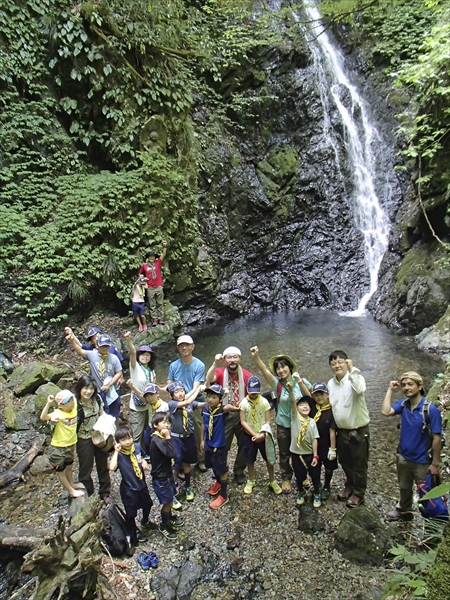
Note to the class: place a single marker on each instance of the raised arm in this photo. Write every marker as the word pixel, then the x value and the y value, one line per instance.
pixel 386 408
pixel 290 388
pixel 262 367
pixel 305 391
pixel 131 348
pixel 357 381
pixel 210 377
pixel 74 342
pixel 44 414
pixel 164 250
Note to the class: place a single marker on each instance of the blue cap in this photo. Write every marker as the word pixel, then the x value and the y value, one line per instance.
pixel 151 388
pixel 253 385
pixel 104 340
pixel 92 331
pixel 319 387
pixel 175 385
pixel 67 398
pixel 215 388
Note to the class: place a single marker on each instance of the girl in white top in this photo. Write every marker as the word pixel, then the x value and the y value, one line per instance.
pixel 142 362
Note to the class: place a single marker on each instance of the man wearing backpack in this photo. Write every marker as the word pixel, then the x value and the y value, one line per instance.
pixel 420 439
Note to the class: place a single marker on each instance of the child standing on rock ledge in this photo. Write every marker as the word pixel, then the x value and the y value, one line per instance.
pixel 64 439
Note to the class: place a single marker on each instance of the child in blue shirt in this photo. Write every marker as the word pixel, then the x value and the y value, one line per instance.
pixel 214 443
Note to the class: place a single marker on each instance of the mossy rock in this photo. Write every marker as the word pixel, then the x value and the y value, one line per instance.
pixel 48 389
pixel 14 418
pixel 27 378
pixel 438 580
pixel 362 537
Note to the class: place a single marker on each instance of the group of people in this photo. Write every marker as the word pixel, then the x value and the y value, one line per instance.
pixel 316 424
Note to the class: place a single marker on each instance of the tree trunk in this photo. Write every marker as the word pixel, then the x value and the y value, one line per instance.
pixel 16 472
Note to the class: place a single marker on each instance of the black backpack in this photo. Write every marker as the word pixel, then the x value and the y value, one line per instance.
pixel 118 537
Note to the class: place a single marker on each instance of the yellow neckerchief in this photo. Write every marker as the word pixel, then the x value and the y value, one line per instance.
pixel 304 423
pixel 133 459
pixel 154 407
pixel 320 409
pixel 253 404
pixel 101 368
pixel 212 412
pixel 185 419
pixel 160 435
pixel 141 291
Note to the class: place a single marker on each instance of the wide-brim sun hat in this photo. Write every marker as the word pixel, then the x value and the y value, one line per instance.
pixel 142 350
pixel 286 358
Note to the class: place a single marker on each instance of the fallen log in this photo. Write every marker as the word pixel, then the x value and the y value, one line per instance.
pixel 16 472
pixel 22 538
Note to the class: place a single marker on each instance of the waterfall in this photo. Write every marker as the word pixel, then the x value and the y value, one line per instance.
pixel 359 138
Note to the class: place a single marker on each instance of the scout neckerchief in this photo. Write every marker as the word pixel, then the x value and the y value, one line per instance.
pixel 236 381
pixel 152 267
pixel 102 366
pixel 320 410
pixel 158 434
pixel 304 423
pixel 212 412
pixel 185 419
pixel 133 459
pixel 154 407
pixel 253 414
pixel 141 291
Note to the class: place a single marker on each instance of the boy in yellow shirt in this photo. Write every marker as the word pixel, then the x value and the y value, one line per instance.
pixel 62 448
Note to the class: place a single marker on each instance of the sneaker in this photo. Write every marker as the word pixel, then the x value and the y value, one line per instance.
pixel 161 322
pixel 275 487
pixel 168 532
pixel 317 503
pixel 286 487
pixel 214 489
pixel 189 494
pixel 140 536
pixel 396 515
pixel 249 486
pixel 141 328
pixel 325 493
pixel 218 502
pixel 147 559
pixel 301 498
pixel 176 522
pixel 176 504
pixel 149 526
pixel 155 322
pixel 239 478
pixel 306 484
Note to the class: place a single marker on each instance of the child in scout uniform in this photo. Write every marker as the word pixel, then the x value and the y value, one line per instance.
pixel 182 433
pixel 304 444
pixel 255 415
pixel 214 443
pixel 138 302
pixel 64 439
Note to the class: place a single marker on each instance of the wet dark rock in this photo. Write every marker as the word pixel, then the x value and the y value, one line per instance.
pixel 310 520
pixel 177 582
pixel 362 537
pixel 41 465
pixel 187 544
pixel 27 378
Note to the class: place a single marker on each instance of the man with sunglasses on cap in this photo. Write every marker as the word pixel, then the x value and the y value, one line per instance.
pixel 105 369
pixel 233 378
pixel 92 337
pixel 191 372
pixel 420 441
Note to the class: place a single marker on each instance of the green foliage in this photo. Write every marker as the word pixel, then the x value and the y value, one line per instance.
pixel 410 581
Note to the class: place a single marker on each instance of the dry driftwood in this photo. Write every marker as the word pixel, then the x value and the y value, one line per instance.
pixel 16 472
pixel 22 538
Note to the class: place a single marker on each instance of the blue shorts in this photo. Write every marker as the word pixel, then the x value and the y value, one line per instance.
pixel 138 309
pixel 164 489
pixel 185 450
pixel 216 459
pixel 251 449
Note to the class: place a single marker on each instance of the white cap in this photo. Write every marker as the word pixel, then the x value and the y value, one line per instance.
pixel 231 350
pixel 184 339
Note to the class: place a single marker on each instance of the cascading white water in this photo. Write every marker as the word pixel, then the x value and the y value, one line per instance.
pixel 359 137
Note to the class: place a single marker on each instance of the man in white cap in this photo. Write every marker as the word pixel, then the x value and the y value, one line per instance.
pixel 233 378
pixel 191 372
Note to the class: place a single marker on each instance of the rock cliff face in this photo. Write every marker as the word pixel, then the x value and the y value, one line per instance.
pixel 280 227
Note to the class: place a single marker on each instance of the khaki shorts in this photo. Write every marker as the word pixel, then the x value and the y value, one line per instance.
pixel 60 458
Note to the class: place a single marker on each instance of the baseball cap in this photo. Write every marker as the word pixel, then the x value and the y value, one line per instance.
pixel 175 385
pixel 253 385
pixel 104 340
pixel 151 388
pixel 67 396
pixel 319 387
pixel 184 339
pixel 215 388
pixel 92 331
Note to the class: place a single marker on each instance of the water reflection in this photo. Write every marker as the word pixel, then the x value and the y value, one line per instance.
pixel 308 337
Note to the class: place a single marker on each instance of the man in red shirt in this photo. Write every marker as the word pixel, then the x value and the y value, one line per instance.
pixel 155 293
pixel 233 378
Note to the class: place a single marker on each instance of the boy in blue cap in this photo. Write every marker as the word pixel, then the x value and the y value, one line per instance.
pixel 255 418
pixel 214 443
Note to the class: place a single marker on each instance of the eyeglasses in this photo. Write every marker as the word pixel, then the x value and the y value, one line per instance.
pixel 337 363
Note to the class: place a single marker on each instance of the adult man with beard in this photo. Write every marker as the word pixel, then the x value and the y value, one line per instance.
pixel 233 378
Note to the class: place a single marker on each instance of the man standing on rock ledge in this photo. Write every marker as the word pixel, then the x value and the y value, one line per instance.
pixel 191 372
pixel 420 439
pixel 352 420
pixel 233 378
